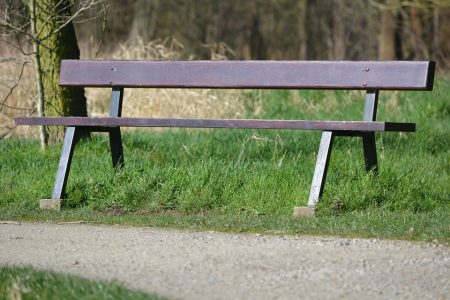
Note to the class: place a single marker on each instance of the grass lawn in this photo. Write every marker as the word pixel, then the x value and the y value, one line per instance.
pixel 27 283
pixel 250 180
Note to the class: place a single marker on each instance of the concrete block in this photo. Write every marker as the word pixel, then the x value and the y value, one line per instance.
pixel 304 211
pixel 52 204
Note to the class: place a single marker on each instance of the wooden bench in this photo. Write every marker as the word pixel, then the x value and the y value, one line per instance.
pixel 333 75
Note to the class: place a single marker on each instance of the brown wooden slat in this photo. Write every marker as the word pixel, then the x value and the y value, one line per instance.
pixel 218 123
pixel 365 75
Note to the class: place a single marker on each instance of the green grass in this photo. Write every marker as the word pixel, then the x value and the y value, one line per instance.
pixel 27 283
pixel 250 180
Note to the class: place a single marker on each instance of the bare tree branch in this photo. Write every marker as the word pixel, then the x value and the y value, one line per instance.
pixel 85 5
pixel 17 47
pixel 12 88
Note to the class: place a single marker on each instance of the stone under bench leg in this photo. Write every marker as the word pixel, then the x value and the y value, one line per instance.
pixel 304 211
pixel 50 204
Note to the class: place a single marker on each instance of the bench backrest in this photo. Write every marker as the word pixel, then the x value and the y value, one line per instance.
pixel 360 75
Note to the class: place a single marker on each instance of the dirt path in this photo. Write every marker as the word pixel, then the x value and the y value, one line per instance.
pixel 208 265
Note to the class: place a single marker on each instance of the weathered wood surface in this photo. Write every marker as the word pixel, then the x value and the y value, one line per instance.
pixel 359 75
pixel 219 123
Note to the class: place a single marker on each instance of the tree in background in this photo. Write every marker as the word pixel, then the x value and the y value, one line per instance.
pixel 53 39
pixel 286 29
pixel 411 29
pixel 388 48
pixel 144 21
pixel 48 26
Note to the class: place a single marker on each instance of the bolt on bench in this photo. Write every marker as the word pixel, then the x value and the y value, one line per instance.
pixel 370 76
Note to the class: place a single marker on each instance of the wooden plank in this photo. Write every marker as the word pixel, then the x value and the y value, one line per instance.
pixel 364 75
pixel 218 123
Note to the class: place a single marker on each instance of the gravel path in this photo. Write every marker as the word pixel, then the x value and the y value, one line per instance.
pixel 209 265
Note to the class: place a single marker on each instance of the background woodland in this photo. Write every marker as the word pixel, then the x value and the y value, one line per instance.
pixel 277 29
pixel 36 34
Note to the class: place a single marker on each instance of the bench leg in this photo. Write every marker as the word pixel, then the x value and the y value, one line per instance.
pixel 320 172
pixel 115 141
pixel 70 140
pixel 370 152
pixel 115 137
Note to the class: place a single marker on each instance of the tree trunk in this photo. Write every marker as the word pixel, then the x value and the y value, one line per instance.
pixel 338 30
pixel 43 138
pixel 302 29
pixel 257 45
pixel 55 41
pixel 319 43
pixel 144 22
pixel 387 39
pixel 435 33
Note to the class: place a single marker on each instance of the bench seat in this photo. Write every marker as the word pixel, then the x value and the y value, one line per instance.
pixel 353 126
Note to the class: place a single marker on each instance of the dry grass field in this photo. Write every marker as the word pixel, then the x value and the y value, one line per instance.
pixel 17 92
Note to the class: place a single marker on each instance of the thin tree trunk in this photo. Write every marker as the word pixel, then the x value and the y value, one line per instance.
pixel 43 138
pixel 302 29
pixel 337 30
pixel 257 44
pixel 145 17
pixel 387 33
pixel 311 29
pixel 435 34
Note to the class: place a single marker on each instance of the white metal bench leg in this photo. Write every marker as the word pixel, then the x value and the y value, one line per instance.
pixel 320 171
